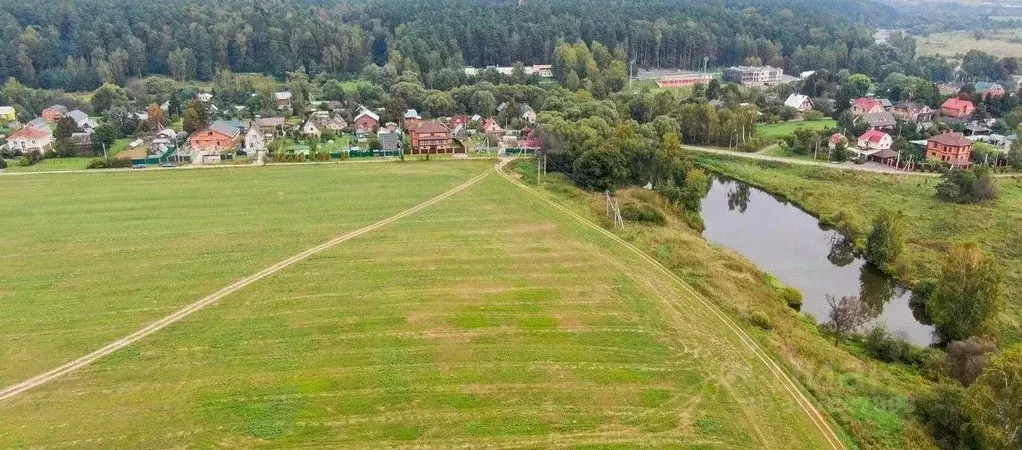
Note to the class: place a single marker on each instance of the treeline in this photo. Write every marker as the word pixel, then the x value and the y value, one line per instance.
pixel 86 43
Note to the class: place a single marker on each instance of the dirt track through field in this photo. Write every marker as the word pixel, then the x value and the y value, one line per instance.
pixel 41 379
pixel 819 419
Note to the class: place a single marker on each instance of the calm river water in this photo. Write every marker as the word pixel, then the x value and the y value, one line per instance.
pixel 790 244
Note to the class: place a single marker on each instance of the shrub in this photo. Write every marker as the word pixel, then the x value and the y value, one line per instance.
pixel 792 297
pixel 944 414
pixel 108 163
pixel 641 212
pixel 761 320
pixel 3 163
pixel 814 115
pixel 25 161
pixel 966 359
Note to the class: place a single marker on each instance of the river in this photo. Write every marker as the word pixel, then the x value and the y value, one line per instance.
pixel 790 244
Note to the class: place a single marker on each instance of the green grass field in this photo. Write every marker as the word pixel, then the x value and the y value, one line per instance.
pixel 489 319
pixel 49 164
pixel 933 224
pixel 783 129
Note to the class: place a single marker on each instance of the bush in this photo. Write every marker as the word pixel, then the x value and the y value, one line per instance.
pixel 643 213
pixel 761 320
pixel 108 163
pixel 885 347
pixel 814 115
pixel 792 297
pixel 26 161
pixel 944 414
pixel 3 163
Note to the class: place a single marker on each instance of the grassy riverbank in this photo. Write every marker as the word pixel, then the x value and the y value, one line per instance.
pixel 851 200
pixel 871 400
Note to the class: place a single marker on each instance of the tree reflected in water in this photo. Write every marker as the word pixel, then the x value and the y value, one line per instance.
pixel 738 196
pixel 842 250
pixel 875 288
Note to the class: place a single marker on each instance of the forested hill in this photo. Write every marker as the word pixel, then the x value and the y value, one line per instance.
pixel 78 44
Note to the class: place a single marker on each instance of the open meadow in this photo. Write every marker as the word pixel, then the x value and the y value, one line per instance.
pixel 784 129
pixel 490 318
pixel 1005 43
pixel 855 198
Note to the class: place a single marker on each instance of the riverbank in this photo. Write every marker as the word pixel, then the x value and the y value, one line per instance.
pixel 849 200
pixel 870 400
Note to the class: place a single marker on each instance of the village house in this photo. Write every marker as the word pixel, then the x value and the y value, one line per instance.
pixel 882 120
pixel 40 123
pixel 31 140
pixel 430 138
pixel 391 127
pixel 311 129
pixel 255 139
pixel 282 99
pixel 456 121
pixel 84 122
pixel 953 148
pixel 390 141
pixel 866 105
pixel 219 136
pixel 527 113
pixel 531 141
pixel 490 126
pixel 54 113
pixel 204 97
pixel 912 111
pixel 271 125
pixel 875 140
pixel 7 114
pixel 990 90
pixel 800 102
pixel 957 108
pixel 163 140
pixel 367 121
pixel 411 119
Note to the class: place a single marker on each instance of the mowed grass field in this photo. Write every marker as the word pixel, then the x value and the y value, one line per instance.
pixel 489 319
pixel 89 257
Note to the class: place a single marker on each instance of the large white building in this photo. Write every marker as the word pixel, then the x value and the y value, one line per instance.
pixel 753 75
pixel 543 70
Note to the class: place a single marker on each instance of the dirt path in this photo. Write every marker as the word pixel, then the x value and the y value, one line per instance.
pixel 41 379
pixel 819 419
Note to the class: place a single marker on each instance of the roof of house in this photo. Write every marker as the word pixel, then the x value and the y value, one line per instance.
pixel 167 132
pixel 523 108
pixel 909 106
pixel 953 139
pixel 873 136
pixel 283 95
pixel 5 110
pixel 432 127
pixel 836 137
pixel 502 106
pixel 886 153
pixel 231 128
pixel 796 100
pixel 270 121
pixel 879 119
pixel 886 103
pixel 957 103
pixel 370 114
pixel 78 115
pixel 411 114
pixel 29 133
pixel 988 86
pixel 866 103
pixel 61 108
pixel 38 122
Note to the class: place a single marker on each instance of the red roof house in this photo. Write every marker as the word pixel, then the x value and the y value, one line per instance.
pixel 875 140
pixel 956 107
pixel 953 148
pixel 491 126
pixel 866 105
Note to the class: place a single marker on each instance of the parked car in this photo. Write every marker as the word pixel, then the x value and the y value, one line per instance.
pixel 168 164
pixel 138 166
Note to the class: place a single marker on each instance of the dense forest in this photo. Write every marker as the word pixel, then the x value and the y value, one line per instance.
pixel 80 44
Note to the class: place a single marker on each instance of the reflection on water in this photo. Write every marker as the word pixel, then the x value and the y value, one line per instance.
pixel 790 244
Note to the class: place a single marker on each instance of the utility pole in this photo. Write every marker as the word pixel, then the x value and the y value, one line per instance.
pixel 104 150
pixel 706 59
pixel 630 68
